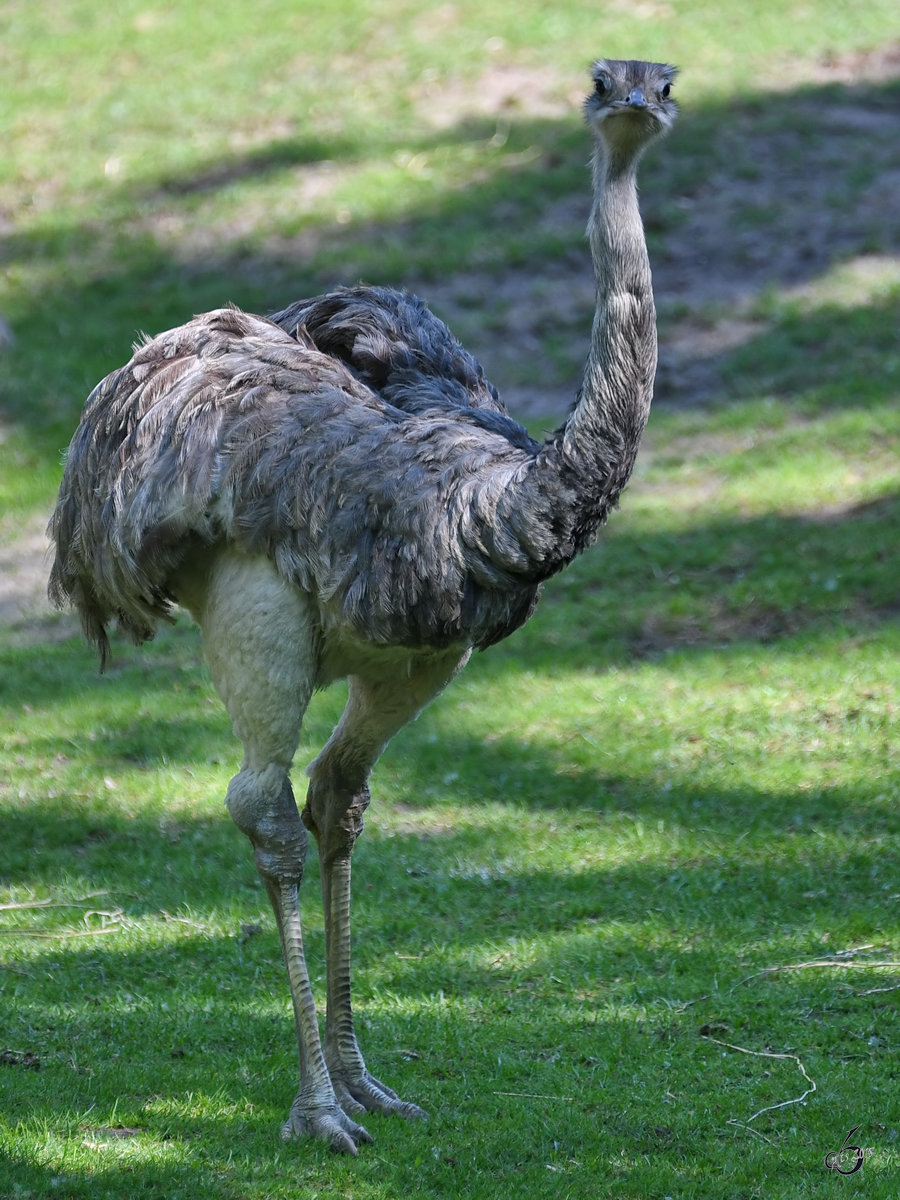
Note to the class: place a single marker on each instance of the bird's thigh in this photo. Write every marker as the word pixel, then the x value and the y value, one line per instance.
pixel 260 642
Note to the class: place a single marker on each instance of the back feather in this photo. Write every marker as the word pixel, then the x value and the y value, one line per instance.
pixel 396 345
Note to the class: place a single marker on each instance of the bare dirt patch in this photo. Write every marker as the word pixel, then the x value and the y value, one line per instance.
pixel 505 91
pixel 24 566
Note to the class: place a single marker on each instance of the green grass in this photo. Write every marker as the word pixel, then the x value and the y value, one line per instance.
pixel 569 873
pixel 600 856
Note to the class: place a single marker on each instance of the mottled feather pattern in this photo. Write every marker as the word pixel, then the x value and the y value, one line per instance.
pixel 397 346
pixel 366 508
pixel 230 428
pixel 420 514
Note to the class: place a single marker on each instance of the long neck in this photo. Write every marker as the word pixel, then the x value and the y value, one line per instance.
pixel 617 386
pixel 556 507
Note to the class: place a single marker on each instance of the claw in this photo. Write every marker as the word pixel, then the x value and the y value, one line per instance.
pixel 331 1125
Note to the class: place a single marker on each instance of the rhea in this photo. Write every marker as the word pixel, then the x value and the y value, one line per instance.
pixel 337 492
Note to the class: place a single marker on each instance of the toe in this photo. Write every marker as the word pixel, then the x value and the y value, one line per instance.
pixel 366 1094
pixel 331 1125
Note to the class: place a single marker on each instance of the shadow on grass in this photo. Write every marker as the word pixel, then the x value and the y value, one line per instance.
pixel 833 358
pixel 189 1042
pixel 258 163
pixel 618 947
pixel 163 859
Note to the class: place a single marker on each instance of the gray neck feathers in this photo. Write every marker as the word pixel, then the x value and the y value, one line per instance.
pixel 555 508
pixel 604 429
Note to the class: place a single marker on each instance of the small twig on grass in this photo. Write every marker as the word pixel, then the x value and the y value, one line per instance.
pixel 536 1096
pixel 27 904
pixel 755 1132
pixel 768 1054
pixel 49 902
pixel 115 917
pixel 842 959
pixel 191 924
pixel 874 991
pixel 807 966
pixel 66 933
pixel 686 1004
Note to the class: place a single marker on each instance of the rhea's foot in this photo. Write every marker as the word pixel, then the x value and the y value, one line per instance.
pixel 360 1093
pixel 330 1124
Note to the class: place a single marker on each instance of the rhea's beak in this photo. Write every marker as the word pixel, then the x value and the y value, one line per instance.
pixel 636 98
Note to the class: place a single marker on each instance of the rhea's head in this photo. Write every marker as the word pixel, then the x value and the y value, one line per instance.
pixel 631 104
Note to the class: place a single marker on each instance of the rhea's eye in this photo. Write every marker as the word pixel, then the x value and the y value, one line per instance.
pixel 600 86
pixel 667 87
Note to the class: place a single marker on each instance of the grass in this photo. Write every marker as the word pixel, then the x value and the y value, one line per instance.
pixel 633 882
pixel 572 874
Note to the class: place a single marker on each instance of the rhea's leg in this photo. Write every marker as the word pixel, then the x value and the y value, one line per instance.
pixel 262 806
pixel 337 798
pixel 260 643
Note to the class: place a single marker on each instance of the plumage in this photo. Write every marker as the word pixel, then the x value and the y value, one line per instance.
pixel 230 428
pixel 339 491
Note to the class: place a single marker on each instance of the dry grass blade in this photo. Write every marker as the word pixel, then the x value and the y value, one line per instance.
pixel 843 959
pixel 111 919
pixel 878 991
pixel 49 902
pixel 65 933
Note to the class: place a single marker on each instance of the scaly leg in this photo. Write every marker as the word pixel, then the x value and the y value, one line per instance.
pixel 260 642
pixel 262 806
pixel 337 798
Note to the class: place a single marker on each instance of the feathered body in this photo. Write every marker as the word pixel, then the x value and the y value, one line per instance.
pixel 338 491
pixel 381 504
